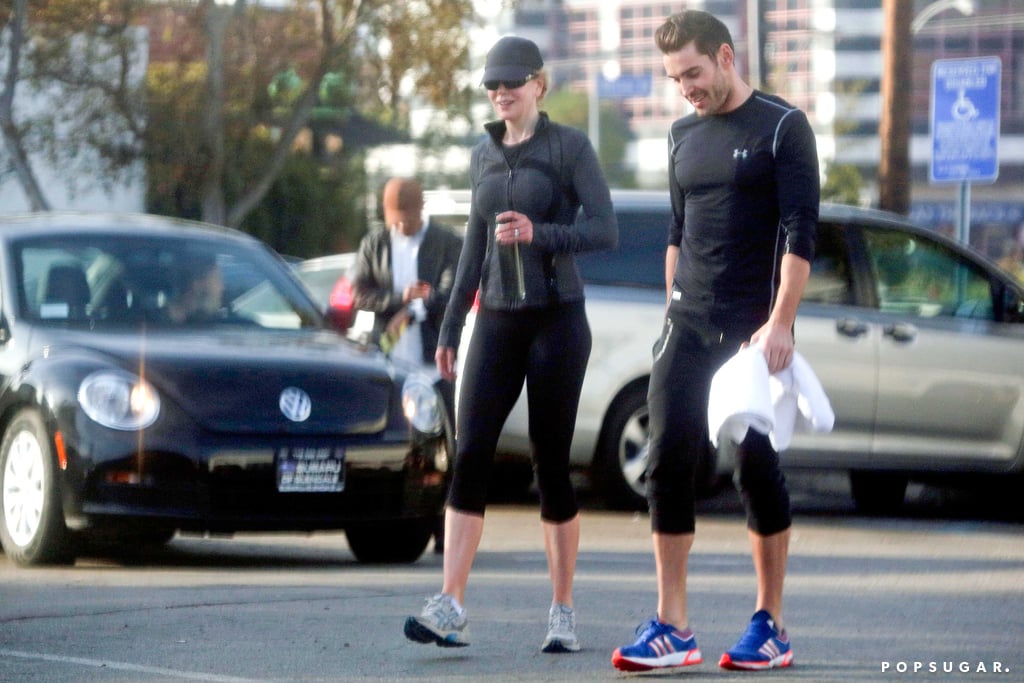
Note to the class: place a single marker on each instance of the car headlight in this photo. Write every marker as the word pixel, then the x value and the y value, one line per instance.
pixel 119 400
pixel 422 404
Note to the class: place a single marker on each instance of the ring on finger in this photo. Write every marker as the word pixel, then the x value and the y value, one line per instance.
pixel 515 232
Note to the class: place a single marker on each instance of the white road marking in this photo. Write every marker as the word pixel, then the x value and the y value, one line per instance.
pixel 125 666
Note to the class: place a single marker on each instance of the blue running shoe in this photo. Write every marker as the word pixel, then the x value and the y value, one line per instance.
pixel 658 646
pixel 762 646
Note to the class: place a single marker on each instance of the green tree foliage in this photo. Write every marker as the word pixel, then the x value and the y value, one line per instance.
pixel 245 115
pixel 844 182
pixel 311 209
pixel 173 144
pixel 842 185
pixel 415 47
pixel 261 79
pixel 570 108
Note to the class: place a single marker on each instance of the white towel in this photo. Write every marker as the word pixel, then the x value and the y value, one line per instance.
pixel 800 403
pixel 740 397
pixel 744 395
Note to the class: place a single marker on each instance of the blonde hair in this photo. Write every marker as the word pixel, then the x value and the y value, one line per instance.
pixel 542 75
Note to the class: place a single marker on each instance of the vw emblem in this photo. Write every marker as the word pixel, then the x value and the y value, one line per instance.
pixel 295 404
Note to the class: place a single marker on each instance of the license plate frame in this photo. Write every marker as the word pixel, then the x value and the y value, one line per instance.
pixel 310 469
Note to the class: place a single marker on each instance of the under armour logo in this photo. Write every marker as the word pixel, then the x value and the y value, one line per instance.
pixel 740 154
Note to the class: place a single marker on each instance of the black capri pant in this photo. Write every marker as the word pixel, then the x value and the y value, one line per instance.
pixel 547 348
pixel 685 360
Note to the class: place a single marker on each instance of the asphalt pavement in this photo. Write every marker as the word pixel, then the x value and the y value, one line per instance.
pixel 868 599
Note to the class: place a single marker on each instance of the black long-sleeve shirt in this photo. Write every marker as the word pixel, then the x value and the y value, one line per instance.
pixel 745 190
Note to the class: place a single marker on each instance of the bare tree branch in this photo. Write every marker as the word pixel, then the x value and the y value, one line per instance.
pixel 11 133
pixel 332 39
pixel 216 26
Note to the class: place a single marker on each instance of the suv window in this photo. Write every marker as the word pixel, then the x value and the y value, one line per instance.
pixel 639 260
pixel 923 278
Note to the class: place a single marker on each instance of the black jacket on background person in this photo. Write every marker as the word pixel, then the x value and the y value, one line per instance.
pixel 550 177
pixel 373 285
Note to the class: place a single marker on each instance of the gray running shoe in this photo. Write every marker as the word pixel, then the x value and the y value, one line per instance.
pixel 561 630
pixel 440 623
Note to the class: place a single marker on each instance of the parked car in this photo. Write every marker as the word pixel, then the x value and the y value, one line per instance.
pixel 121 421
pixel 329 280
pixel 918 341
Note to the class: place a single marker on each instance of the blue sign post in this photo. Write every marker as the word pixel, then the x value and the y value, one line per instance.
pixel 965 126
pixel 965 119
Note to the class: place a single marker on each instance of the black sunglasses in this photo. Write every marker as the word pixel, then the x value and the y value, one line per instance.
pixel 509 85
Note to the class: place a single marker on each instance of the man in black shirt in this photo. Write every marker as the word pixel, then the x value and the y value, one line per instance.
pixel 744 184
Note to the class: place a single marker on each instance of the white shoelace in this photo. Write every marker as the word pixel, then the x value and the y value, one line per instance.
pixel 562 620
pixel 441 610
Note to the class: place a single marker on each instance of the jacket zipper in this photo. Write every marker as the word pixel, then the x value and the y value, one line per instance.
pixel 520 293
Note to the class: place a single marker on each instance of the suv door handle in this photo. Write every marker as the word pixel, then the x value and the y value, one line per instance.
pixel 900 332
pixel 851 327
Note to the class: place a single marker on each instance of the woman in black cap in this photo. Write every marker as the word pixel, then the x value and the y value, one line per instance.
pixel 529 178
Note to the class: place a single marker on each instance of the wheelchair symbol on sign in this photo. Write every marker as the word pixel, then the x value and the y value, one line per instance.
pixel 964 109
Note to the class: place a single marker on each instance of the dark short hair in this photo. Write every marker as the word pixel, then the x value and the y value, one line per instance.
pixel 706 31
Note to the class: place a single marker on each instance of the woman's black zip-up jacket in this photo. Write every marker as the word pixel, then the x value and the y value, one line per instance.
pixel 551 175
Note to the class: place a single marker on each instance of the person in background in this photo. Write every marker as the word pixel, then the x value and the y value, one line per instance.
pixel 744 188
pixel 199 293
pixel 404 274
pixel 529 178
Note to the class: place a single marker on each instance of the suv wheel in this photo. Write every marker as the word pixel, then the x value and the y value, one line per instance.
pixel 621 459
pixel 622 451
pixel 877 493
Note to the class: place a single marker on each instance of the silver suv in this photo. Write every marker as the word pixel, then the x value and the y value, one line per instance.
pixel 918 342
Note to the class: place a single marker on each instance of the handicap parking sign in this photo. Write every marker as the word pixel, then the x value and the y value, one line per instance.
pixel 965 120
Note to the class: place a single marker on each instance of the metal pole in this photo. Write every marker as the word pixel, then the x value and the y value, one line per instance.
pixel 963 214
pixel 754 42
pixel 593 119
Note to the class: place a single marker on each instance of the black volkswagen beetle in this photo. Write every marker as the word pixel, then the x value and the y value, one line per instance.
pixel 161 375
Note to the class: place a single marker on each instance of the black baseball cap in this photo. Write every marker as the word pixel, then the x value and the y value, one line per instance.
pixel 512 58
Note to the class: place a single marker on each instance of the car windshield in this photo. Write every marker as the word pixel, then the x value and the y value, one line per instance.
pixel 109 280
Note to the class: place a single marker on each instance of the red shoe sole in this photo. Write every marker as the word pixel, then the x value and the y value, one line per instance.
pixel 779 663
pixel 623 664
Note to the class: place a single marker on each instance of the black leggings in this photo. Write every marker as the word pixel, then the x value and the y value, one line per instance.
pixel 548 348
pixel 684 363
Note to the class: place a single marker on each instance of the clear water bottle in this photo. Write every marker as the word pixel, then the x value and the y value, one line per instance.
pixel 511 263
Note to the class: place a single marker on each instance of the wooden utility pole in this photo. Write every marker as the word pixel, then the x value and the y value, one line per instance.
pixel 894 126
